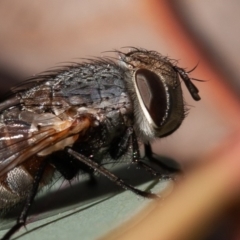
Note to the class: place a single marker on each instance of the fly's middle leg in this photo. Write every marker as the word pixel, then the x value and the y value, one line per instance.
pixel 100 169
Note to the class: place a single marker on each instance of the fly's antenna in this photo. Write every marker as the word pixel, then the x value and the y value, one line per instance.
pixel 190 86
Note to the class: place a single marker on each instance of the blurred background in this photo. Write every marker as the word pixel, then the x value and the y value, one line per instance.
pixel 38 35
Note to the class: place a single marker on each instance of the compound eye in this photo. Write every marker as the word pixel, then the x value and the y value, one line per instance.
pixel 152 93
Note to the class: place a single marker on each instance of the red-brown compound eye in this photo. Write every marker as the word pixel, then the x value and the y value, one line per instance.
pixel 153 94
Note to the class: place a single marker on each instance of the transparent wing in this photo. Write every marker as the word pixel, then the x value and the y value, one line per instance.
pixel 19 140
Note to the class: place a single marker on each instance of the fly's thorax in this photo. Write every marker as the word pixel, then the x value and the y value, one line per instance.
pixel 156 93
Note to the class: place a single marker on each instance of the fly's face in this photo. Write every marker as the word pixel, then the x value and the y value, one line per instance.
pixel 157 94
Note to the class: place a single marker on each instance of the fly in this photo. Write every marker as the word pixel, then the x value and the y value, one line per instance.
pixel 74 119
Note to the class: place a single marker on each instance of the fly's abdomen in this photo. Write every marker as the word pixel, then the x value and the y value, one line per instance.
pixel 16 184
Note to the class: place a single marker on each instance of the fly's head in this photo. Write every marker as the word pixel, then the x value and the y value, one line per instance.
pixel 154 85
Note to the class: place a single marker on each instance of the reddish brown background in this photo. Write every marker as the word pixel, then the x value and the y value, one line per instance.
pixel 37 35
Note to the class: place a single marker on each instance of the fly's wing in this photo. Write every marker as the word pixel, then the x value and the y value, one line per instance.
pixel 15 136
pixel 18 140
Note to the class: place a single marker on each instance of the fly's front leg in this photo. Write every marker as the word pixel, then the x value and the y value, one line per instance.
pixel 121 146
pixel 170 167
pixel 100 169
pixel 117 150
pixel 136 159
pixel 21 221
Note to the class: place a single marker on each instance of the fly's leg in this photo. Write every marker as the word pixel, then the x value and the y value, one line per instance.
pixel 69 166
pixel 137 159
pixel 175 168
pixel 21 221
pixel 118 149
pixel 100 169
